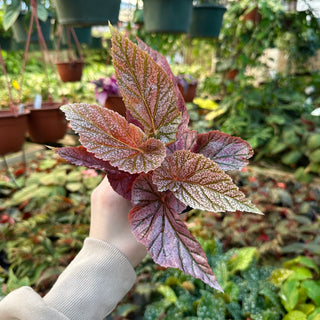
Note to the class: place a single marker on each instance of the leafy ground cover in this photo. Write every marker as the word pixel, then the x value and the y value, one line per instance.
pixel 44 223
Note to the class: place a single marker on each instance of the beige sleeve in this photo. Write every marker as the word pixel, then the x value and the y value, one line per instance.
pixel 88 289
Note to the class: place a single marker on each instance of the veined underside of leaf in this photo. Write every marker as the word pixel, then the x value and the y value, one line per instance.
pixel 155 222
pixel 146 89
pixel 199 183
pixel 162 62
pixel 111 138
pixel 120 181
pixel 230 153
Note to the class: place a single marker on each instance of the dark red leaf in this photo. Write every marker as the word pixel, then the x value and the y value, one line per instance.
pixel 230 153
pixel 155 222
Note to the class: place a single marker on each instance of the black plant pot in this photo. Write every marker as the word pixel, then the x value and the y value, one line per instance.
pixel 87 12
pixel 207 21
pixel 167 16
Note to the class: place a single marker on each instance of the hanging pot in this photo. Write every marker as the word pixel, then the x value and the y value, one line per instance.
pixel 48 124
pixel 253 15
pixel 116 103
pixel 167 16
pixel 12 131
pixel 20 34
pixel 207 20
pixel 87 12
pixel 70 71
pixel 83 35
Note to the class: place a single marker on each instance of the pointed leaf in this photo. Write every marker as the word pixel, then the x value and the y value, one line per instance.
pixel 111 138
pixel 120 181
pixel 230 153
pixel 146 89
pixel 162 62
pixel 155 223
pixel 11 14
pixel 81 157
pixel 199 182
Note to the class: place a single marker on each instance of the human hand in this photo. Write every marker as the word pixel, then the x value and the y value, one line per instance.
pixel 109 222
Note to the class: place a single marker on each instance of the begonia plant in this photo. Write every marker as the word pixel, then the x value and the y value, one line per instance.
pixel 152 159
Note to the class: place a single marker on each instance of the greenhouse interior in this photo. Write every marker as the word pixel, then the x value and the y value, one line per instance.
pixel 160 159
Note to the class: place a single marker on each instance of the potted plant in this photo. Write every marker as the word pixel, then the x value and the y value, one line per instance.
pixel 167 16
pixel 17 19
pixel 13 122
pixel 87 12
pixel 69 65
pixel 207 19
pixel 107 94
pixel 187 86
pixel 46 122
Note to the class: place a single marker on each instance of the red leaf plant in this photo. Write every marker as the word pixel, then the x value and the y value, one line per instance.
pixel 152 159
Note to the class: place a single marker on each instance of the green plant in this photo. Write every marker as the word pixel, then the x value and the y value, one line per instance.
pixel 44 222
pixel 299 286
pixel 170 293
pixel 12 11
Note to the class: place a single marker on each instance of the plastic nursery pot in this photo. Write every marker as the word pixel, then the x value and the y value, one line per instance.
pixel 188 93
pixel 20 32
pixel 207 20
pixel 70 71
pixel 87 12
pixel 48 124
pixel 116 103
pixel 12 131
pixel 167 16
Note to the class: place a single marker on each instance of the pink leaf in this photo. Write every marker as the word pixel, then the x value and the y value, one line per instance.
pixel 111 138
pixel 230 153
pixel 81 157
pixel 120 181
pixel 146 89
pixel 186 141
pixel 155 223
pixel 162 62
pixel 199 183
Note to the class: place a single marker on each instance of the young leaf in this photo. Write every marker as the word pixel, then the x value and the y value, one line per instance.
pixel 199 182
pixel 230 153
pixel 146 89
pixel 186 141
pixel 155 222
pixel 120 181
pixel 162 62
pixel 111 138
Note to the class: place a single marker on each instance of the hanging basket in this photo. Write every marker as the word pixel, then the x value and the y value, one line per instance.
pixel 167 16
pixel 48 124
pixel 207 21
pixel 87 12
pixel 12 131
pixel 20 34
pixel 116 103
pixel 70 71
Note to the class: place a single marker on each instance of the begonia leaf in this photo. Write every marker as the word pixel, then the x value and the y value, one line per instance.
pixel 162 62
pixel 155 222
pixel 186 141
pixel 230 153
pixel 146 89
pixel 120 181
pixel 111 138
pixel 199 183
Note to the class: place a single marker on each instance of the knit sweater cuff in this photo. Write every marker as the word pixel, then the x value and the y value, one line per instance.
pixel 93 283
